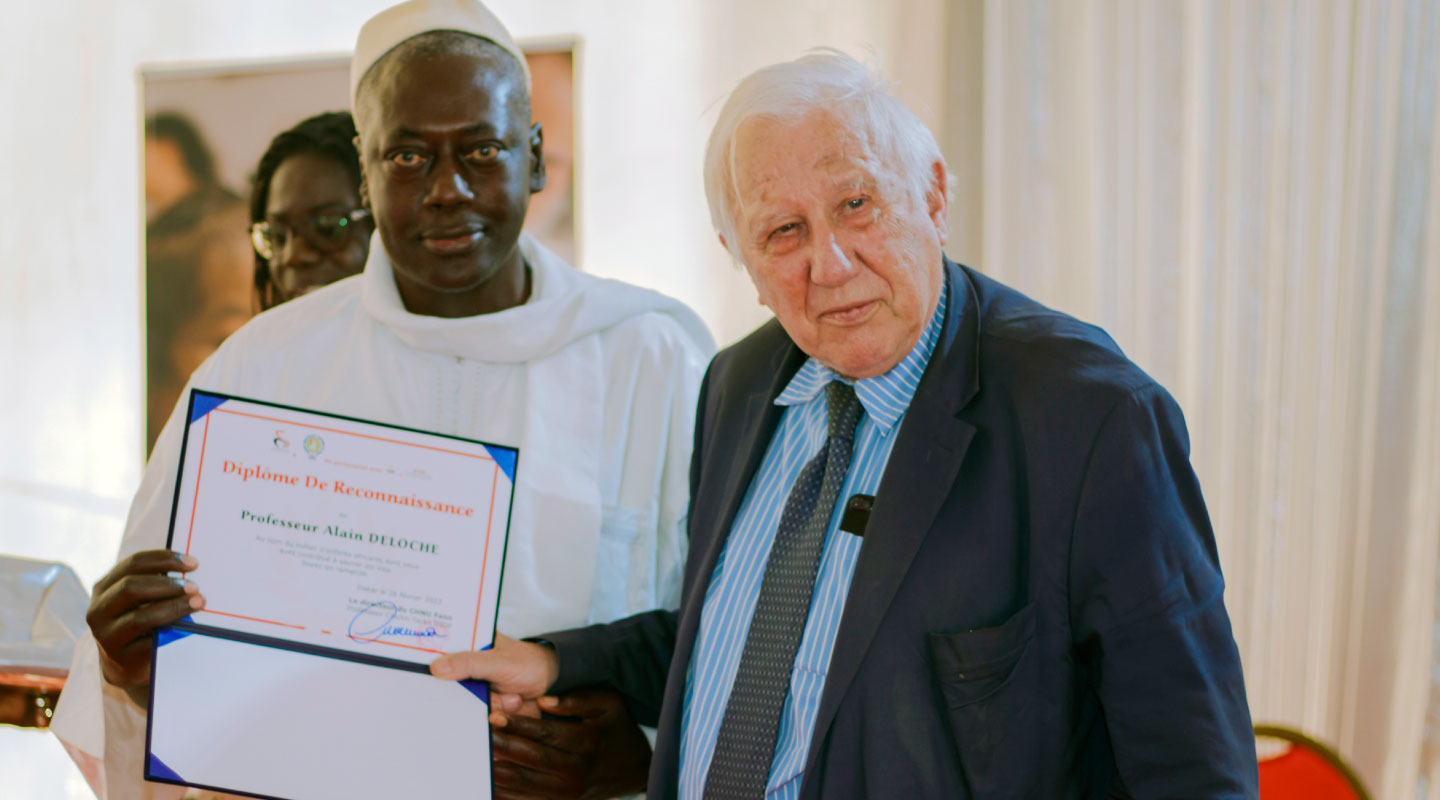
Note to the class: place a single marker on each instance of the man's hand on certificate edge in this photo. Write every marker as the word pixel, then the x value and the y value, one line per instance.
pixel 517 672
pixel 598 752
pixel 134 599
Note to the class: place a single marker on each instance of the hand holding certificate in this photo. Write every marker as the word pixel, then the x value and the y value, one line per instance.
pixel 341 558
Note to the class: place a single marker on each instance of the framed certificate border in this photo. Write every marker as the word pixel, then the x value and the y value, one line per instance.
pixel 203 403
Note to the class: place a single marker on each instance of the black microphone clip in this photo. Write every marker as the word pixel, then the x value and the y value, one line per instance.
pixel 856 516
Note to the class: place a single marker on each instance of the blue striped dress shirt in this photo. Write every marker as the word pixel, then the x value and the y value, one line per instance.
pixel 735 584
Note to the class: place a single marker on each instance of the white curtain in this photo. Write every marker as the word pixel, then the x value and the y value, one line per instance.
pixel 1246 195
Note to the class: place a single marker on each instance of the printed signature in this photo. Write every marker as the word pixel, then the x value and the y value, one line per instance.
pixel 373 622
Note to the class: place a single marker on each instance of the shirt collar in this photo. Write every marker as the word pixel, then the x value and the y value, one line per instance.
pixel 885 397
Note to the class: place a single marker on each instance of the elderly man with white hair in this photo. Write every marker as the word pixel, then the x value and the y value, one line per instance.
pixel 945 542
pixel 459 324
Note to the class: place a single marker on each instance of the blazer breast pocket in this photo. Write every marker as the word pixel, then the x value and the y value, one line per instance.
pixel 987 678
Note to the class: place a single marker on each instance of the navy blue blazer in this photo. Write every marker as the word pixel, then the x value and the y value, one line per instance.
pixel 1037 606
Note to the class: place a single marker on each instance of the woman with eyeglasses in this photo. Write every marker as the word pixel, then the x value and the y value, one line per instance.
pixel 307 224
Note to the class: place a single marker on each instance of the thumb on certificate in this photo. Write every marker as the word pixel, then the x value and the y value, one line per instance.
pixel 511 666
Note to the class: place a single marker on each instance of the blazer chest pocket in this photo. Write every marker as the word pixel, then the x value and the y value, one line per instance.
pixel 986 678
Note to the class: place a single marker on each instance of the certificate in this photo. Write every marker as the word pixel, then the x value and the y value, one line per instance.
pixel 338 557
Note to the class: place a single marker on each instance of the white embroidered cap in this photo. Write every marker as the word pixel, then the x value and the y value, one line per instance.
pixel 394 25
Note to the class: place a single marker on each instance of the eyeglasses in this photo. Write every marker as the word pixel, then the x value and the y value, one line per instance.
pixel 326 232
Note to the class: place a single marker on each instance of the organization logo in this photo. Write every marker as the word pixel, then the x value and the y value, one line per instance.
pixel 314 445
pixel 280 442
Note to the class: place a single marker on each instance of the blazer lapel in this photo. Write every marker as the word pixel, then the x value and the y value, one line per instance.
pixel 752 438
pixel 923 464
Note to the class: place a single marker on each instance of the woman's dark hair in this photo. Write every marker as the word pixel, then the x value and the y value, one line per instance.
pixel 172 126
pixel 330 134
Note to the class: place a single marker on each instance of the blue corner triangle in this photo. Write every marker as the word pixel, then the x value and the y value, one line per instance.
pixel 203 403
pixel 480 689
pixel 167 635
pixel 156 768
pixel 505 458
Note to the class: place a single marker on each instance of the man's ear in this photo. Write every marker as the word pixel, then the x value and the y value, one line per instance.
pixel 537 158
pixel 937 200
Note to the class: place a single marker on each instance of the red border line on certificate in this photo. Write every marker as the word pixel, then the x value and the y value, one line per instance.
pixel 351 433
pixel 301 628
pixel 393 644
pixel 489 522
pixel 489 525
pixel 196 499
pixel 254 619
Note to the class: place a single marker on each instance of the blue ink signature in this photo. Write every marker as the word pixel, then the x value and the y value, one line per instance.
pixel 370 633
pixel 397 630
pixel 384 628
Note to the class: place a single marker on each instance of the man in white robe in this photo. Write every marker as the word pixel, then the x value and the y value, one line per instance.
pixel 458 325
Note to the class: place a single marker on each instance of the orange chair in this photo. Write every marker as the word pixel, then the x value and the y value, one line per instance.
pixel 1304 769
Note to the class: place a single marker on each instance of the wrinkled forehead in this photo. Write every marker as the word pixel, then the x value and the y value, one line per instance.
pixel 775 158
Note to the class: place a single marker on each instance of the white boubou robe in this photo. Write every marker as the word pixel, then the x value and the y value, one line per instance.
pixel 595 382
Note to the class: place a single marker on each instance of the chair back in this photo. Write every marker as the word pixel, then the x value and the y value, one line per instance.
pixel 1304 769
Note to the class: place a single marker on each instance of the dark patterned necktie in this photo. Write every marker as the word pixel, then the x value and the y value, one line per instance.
pixel 745 746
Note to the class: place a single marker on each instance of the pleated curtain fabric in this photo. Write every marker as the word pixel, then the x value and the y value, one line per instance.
pixel 1246 196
